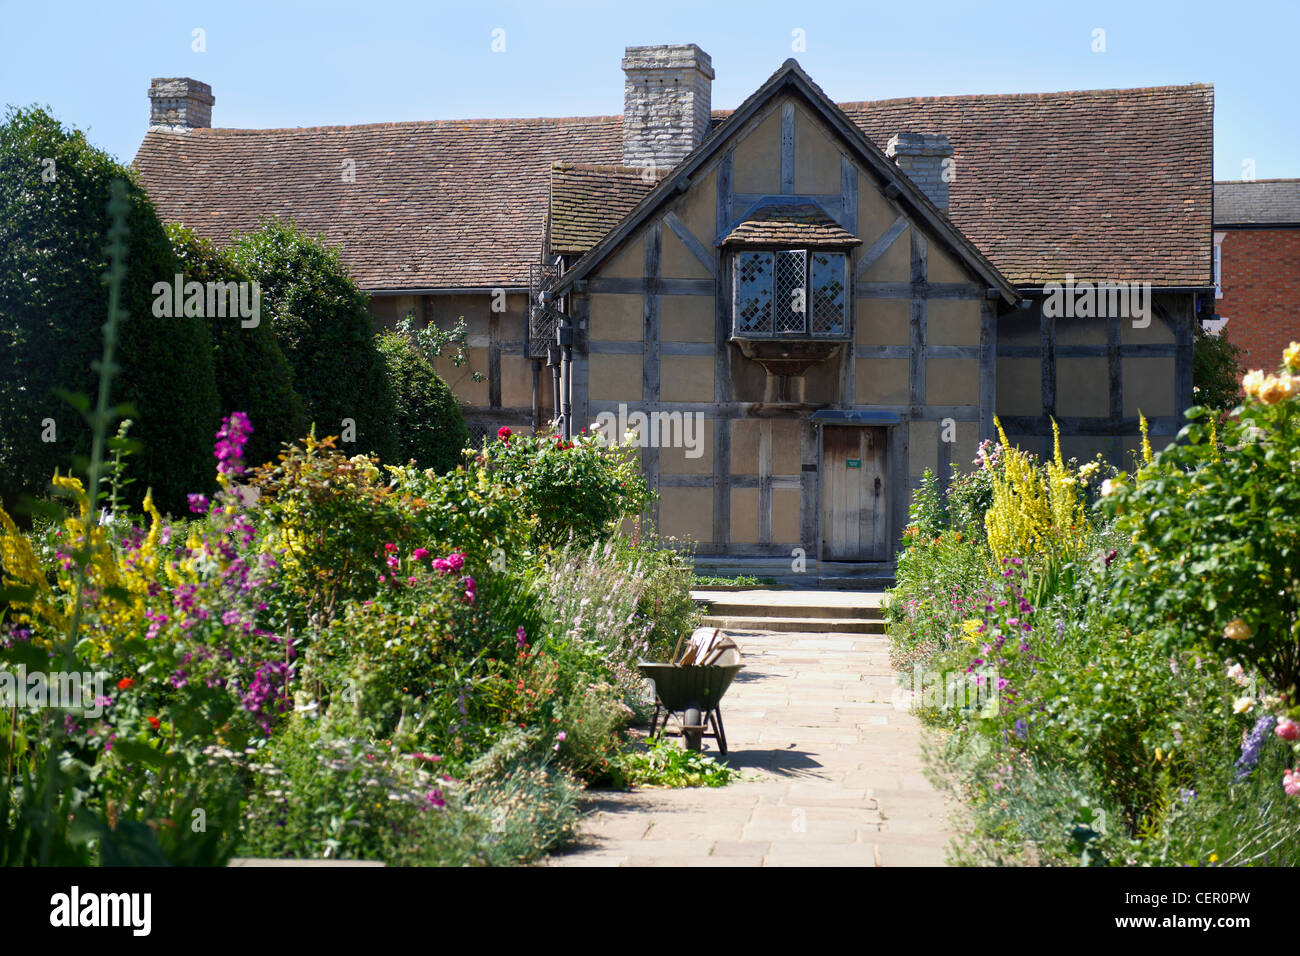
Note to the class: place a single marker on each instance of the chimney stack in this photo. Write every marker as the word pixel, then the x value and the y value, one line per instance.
pixel 180 103
pixel 666 103
pixel 921 156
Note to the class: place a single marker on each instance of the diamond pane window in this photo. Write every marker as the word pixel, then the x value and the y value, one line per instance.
pixel 791 302
pixel 790 294
pixel 754 293
pixel 827 281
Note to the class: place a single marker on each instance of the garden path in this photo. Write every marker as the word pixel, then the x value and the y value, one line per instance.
pixel 833 772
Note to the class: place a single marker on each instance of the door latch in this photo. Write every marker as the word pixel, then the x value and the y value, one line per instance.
pixel 877 486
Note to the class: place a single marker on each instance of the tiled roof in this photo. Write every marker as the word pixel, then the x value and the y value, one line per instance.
pixel 791 224
pixel 1107 184
pixel 1264 202
pixel 447 204
pixel 588 201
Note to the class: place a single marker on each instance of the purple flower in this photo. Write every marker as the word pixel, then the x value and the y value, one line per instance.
pixel 520 637
pixel 198 504
pixel 1250 749
pixel 231 438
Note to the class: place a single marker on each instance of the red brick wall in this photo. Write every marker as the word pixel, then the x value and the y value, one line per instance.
pixel 1260 278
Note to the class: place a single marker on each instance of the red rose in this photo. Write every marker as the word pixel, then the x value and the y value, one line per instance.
pixel 504 433
pixel 125 683
pixel 154 722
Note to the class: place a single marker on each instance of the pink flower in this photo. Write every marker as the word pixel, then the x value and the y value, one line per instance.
pixel 504 434
pixel 520 637
pixel 455 560
pixel 561 736
pixel 1291 783
pixel 1287 729
pixel 419 554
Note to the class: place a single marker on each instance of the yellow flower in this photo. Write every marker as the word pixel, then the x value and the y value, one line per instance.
pixel 1243 705
pixel 1251 382
pixel 970 630
pixel 1237 630
pixel 1291 356
pixel 1271 391
pixel 1288 385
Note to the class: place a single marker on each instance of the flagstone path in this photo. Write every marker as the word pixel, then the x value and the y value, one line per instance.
pixel 835 767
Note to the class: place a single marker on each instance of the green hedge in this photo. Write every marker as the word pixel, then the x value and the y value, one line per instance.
pixel 53 226
pixel 252 373
pixel 427 422
pixel 323 325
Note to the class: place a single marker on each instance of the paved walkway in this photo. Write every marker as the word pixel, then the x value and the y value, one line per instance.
pixel 837 771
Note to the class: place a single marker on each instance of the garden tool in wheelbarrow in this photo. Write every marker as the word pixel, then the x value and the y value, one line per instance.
pixel 690 687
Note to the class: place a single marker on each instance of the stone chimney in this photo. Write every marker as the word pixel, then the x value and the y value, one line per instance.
pixel 180 103
pixel 666 103
pixel 921 156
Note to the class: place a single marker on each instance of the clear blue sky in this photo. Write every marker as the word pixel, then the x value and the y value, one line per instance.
pixel 274 64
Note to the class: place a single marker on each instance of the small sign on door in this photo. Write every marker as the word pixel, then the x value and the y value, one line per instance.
pixel 854 462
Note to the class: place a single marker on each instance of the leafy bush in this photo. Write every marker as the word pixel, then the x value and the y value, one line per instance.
pixel 428 426
pixel 54 190
pixel 1216 370
pixel 665 764
pixel 252 374
pixel 580 488
pixel 1212 520
pixel 322 323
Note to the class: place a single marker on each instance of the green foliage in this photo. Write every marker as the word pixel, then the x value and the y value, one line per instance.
pixel 465 510
pixel 1216 370
pixel 428 426
pixel 663 763
pixel 52 225
pixel 578 488
pixel 323 326
pixel 331 516
pixel 252 374
pixel 435 342
pixel 734 580
pixel 1214 540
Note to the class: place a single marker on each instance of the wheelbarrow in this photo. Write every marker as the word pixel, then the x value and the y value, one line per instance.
pixel 691 692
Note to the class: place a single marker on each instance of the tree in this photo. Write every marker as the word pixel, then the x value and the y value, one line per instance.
pixel 323 326
pixel 1216 370
pixel 54 189
pixel 252 374
pixel 427 422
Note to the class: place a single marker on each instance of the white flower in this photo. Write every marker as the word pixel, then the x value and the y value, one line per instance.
pixel 1109 487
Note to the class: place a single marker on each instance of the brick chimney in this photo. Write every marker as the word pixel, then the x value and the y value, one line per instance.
pixel 921 156
pixel 180 103
pixel 666 103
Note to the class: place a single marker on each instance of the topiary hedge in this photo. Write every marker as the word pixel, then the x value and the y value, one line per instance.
pixel 427 422
pixel 323 325
pixel 252 373
pixel 53 225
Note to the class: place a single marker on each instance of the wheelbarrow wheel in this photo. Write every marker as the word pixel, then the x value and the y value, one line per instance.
pixel 692 728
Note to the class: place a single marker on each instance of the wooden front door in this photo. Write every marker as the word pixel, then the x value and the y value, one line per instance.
pixel 855 498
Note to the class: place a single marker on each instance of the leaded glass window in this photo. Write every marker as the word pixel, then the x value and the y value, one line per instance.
pixel 789 293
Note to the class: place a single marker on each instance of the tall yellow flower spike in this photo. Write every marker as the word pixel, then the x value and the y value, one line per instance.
pixel 1146 439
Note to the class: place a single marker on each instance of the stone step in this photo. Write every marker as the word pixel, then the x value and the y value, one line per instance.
pixel 722 607
pixel 812 625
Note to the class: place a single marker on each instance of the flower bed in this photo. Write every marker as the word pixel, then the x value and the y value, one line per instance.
pixel 334 658
pixel 1112 658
